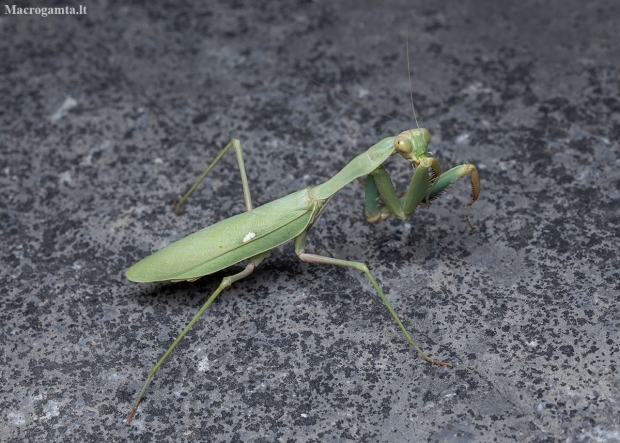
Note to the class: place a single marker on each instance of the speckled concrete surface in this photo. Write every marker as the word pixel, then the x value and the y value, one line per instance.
pixel 106 117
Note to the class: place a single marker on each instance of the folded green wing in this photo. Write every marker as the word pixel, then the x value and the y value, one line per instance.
pixel 227 242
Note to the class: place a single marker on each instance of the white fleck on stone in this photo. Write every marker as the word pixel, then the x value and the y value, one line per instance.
pixel 204 365
pixel 65 177
pixel 462 138
pixel 67 105
pixel 16 418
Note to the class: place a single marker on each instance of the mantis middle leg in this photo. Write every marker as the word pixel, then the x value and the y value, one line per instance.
pixel 300 244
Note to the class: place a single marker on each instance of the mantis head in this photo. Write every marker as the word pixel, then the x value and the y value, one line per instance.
pixel 412 144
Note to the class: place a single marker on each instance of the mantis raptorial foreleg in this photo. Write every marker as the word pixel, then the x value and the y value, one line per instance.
pixel 300 244
pixel 236 145
pixel 226 282
pixel 379 186
pixel 452 175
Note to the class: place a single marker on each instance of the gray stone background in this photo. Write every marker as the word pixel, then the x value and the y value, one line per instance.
pixel 106 117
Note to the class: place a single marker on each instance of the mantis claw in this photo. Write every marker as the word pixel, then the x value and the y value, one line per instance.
pixel 438 363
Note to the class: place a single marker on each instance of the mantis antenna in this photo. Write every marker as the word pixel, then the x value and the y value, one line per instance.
pixel 409 77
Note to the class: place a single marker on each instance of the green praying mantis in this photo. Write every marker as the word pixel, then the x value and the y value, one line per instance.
pixel 251 235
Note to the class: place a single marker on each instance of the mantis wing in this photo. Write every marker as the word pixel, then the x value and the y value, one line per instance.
pixel 229 241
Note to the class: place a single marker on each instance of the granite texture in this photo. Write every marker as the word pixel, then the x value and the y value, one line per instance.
pixel 106 117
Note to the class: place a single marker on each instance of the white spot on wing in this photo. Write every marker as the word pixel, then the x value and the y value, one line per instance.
pixel 249 236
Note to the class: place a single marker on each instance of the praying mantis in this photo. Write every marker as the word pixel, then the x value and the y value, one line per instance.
pixel 251 235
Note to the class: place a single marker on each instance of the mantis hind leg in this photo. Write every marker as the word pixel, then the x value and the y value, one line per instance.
pixel 226 282
pixel 236 145
pixel 300 243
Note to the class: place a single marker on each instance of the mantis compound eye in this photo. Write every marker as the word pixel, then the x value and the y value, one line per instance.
pixel 403 145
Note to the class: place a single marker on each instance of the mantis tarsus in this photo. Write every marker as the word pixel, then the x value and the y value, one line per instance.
pixel 252 234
